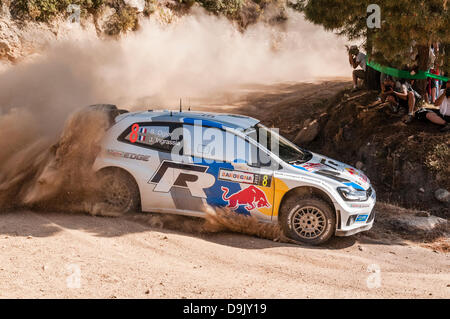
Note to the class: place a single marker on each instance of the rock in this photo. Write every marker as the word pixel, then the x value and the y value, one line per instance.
pixel 308 133
pixel 417 223
pixel 102 20
pixel 442 195
pixel 10 45
pixel 423 214
pixel 421 190
pixel 138 4
pixel 323 118
pixel 359 165
pixel 307 122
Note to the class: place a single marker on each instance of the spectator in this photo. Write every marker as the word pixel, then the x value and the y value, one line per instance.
pixel 432 87
pixel 406 97
pixel 382 78
pixel 432 84
pixel 439 116
pixel 388 94
pixel 357 58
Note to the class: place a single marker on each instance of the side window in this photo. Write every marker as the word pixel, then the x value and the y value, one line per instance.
pixel 214 144
pixel 159 136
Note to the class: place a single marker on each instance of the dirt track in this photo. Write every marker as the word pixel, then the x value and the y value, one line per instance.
pixel 40 254
pixel 124 257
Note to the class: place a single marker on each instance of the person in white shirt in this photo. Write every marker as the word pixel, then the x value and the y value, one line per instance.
pixel 441 116
pixel 357 58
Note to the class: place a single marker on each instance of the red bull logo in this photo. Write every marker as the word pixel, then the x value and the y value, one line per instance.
pixel 252 197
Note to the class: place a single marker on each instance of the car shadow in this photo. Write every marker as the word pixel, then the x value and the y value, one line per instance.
pixel 47 224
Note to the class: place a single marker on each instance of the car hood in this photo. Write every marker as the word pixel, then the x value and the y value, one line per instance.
pixel 338 171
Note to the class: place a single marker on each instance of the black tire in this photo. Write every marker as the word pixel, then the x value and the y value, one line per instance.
pixel 308 220
pixel 118 192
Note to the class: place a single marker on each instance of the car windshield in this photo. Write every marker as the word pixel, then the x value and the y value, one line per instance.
pixel 278 145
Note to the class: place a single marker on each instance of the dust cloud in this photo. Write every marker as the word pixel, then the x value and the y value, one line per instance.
pixel 216 220
pixel 197 56
pixel 44 174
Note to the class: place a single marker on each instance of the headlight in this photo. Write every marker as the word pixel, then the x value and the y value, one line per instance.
pixel 353 195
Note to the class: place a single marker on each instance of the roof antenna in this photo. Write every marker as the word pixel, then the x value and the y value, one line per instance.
pixel 189 102
pixel 180 106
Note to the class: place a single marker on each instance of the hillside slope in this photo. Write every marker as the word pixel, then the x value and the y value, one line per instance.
pixel 28 26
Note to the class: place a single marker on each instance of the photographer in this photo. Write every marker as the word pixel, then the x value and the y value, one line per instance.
pixel 355 58
pixel 441 116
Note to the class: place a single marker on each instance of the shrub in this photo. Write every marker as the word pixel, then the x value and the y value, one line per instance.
pixel 46 10
pixel 229 8
pixel 150 7
pixel 124 19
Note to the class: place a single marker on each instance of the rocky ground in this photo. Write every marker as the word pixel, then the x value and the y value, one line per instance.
pixel 59 255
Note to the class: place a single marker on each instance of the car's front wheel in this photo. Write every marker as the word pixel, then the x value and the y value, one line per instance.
pixel 308 220
pixel 118 192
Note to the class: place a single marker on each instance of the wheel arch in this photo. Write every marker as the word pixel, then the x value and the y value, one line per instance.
pixel 126 173
pixel 306 192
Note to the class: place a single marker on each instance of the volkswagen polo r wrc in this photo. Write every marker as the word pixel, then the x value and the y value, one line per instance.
pixel 178 162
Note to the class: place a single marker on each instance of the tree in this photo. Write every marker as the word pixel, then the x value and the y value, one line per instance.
pixel 408 28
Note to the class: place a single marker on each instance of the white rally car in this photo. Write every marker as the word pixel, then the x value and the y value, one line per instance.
pixel 176 162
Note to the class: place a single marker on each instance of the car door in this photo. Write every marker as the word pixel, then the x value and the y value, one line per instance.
pixel 156 176
pixel 231 175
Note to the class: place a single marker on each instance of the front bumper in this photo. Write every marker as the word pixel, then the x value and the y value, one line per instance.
pixel 354 230
pixel 355 217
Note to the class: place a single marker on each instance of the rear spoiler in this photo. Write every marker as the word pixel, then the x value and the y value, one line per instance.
pixel 111 110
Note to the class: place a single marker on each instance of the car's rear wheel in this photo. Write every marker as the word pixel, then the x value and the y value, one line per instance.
pixel 308 220
pixel 118 192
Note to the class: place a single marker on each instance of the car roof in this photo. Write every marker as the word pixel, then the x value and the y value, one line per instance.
pixel 205 118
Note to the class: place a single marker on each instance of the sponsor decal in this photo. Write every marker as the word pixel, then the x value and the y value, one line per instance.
pixel 190 176
pixel 359 205
pixel 142 132
pixel 151 136
pixel 138 157
pixel 361 218
pixel 251 197
pixel 236 176
pixel 245 177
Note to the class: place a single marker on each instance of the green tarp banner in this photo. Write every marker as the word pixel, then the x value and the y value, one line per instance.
pixel 421 75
